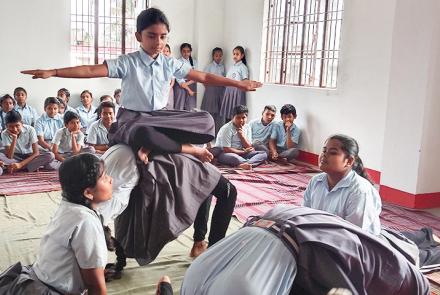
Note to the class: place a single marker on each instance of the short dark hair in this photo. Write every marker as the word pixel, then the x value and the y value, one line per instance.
pixel 19 89
pixel 240 109
pixel 117 91
pixel 61 102
pixel 86 91
pixel 69 116
pixel 65 91
pixel 6 96
pixel 51 100
pixel 288 109
pixel 217 49
pixel 78 173
pixel 270 107
pixel 105 96
pixel 149 17
pixel 105 104
pixel 12 117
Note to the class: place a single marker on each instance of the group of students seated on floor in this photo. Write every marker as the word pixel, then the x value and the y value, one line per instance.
pixel 28 142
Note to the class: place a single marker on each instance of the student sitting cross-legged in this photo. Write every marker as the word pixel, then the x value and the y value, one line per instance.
pixel 285 136
pixel 48 123
pixel 262 129
pixel 98 130
pixel 235 138
pixel 69 140
pixel 21 148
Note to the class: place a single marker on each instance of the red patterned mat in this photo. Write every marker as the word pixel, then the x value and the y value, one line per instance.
pixel 21 183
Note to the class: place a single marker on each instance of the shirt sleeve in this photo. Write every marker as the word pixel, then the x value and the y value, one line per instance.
pixel 307 199
pixel 57 137
pixel 34 116
pixel 244 72
pixel 118 67
pixel 6 139
pixel 358 210
pixel 179 68
pixel 39 128
pixel 223 138
pixel 295 134
pixel 88 244
pixel 248 133
pixel 80 139
pixel 274 132
pixel 33 135
pixel 92 135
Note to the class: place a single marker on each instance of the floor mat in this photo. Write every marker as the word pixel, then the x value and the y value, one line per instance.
pixel 20 183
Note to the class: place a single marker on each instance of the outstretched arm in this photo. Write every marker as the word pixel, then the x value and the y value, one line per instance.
pixel 214 80
pixel 90 71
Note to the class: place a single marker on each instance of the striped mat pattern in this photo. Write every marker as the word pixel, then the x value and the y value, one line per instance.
pixel 20 183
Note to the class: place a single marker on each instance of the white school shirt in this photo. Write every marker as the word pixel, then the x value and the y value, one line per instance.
pixel 63 138
pixel 260 133
pixel 145 81
pixel 28 114
pixel 25 139
pixel 86 117
pixel 280 135
pixel 239 71
pixel 353 198
pixel 216 69
pixel 47 127
pixel 74 240
pixel 97 133
pixel 228 137
pixel 187 62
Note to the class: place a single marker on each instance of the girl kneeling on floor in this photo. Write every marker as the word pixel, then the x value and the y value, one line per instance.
pixel 73 251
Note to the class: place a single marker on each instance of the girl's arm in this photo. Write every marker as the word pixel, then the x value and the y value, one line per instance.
pixel 10 150
pixel 76 147
pixel 214 80
pixel 56 153
pixel 94 280
pixel 42 142
pixel 90 71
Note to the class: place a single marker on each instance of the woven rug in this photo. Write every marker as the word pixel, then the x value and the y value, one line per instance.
pixel 20 183
pixel 270 168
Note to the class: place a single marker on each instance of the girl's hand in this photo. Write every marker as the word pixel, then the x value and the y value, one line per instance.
pixel 40 74
pixel 249 85
pixel 203 154
pixel 190 92
pixel 14 167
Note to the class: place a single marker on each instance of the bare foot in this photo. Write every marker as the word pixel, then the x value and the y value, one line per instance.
pixel 143 155
pixel 245 166
pixel 198 248
pixel 436 238
pixel 203 154
pixel 165 280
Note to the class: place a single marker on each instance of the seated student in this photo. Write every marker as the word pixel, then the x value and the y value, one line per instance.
pixel 7 104
pixel 62 107
pixel 98 130
pixel 345 190
pixel 69 140
pixel 234 138
pixel 73 252
pixel 86 111
pixel 262 129
pixel 48 123
pixel 117 96
pixel 285 136
pixel 21 148
pixel 110 99
pixel 29 114
pixel 298 250
pixel 64 94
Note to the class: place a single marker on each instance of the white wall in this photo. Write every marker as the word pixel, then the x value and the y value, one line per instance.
pixel 357 107
pixel 36 34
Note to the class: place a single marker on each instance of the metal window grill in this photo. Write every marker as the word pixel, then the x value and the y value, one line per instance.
pixel 301 39
pixel 103 29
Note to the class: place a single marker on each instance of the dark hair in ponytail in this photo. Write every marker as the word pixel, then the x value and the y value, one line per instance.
pixel 241 49
pixel 187 45
pixel 78 173
pixel 351 148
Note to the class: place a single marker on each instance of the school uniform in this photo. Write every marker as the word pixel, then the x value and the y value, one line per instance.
pixel 297 250
pixel 214 94
pixel 23 150
pixel 182 100
pixel 46 126
pixel 279 134
pixel 234 96
pixel 3 120
pixel 70 109
pixel 261 134
pixel 353 198
pixel 228 137
pixel 63 139
pixel 97 133
pixel 74 240
pixel 86 117
pixel 28 114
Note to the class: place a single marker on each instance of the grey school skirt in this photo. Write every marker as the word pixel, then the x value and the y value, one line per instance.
pixel 232 98
pixel 182 100
pixel 212 99
pixel 19 279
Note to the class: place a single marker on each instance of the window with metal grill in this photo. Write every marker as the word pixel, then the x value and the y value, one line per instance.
pixel 301 42
pixel 103 29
